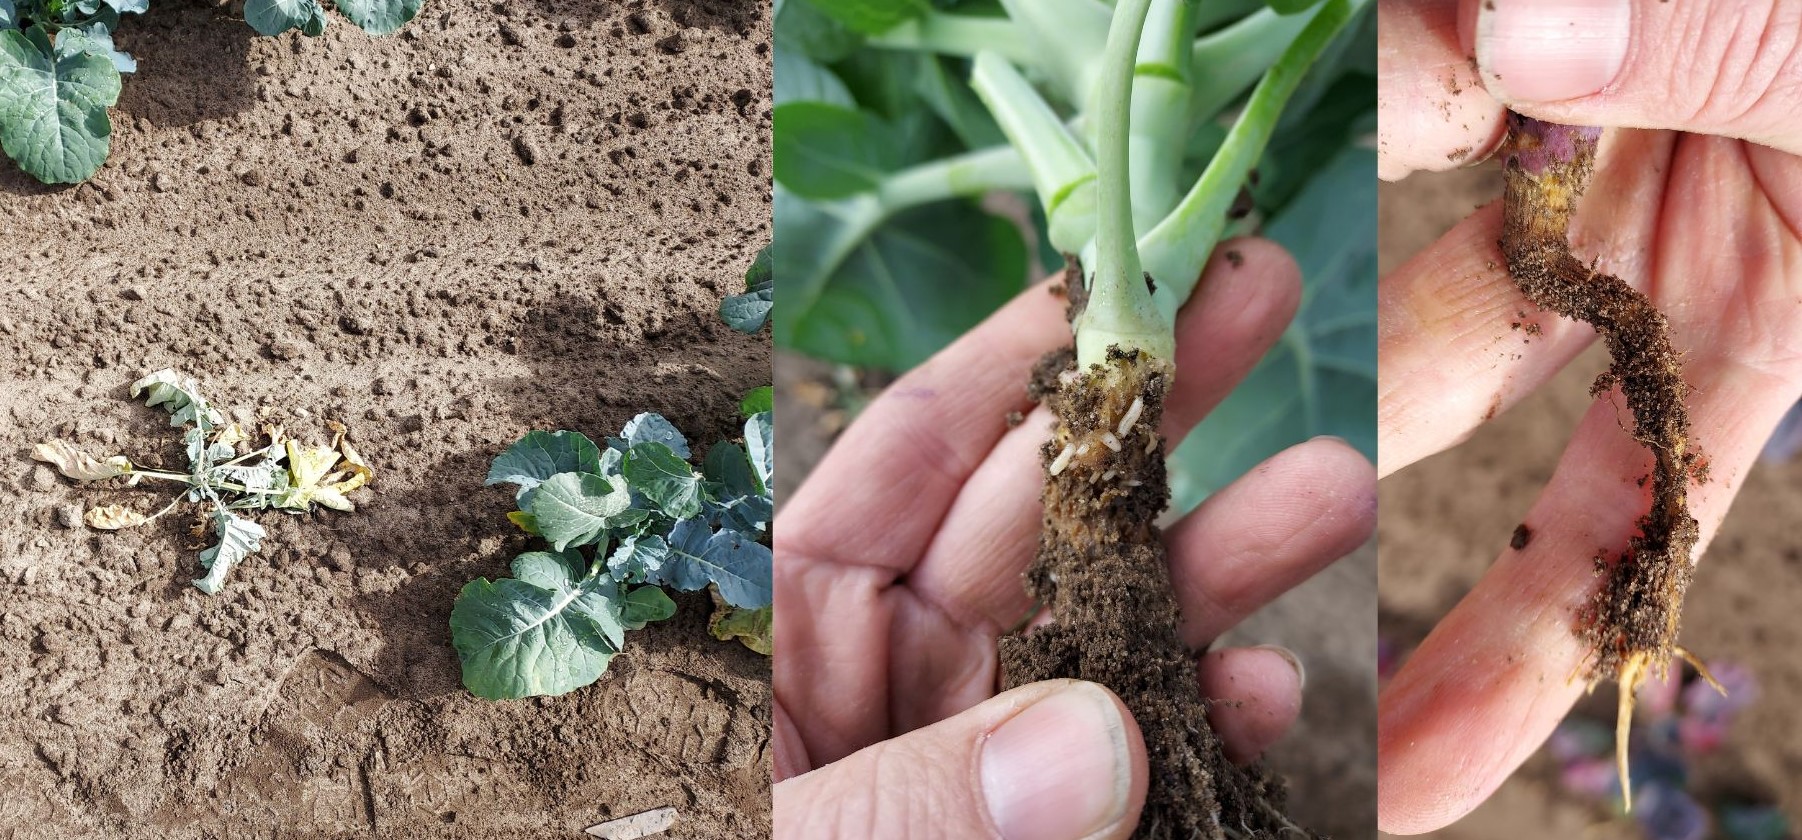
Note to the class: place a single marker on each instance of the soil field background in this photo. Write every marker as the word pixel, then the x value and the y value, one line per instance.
pixel 509 216
pixel 1445 519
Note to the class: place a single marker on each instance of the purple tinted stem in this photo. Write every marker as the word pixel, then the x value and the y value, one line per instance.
pixel 1535 144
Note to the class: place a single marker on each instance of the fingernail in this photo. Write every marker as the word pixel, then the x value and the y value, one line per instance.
pixel 1551 50
pixel 1301 674
pixel 1059 770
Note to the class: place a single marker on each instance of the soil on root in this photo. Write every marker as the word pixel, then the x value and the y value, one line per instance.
pixel 1103 575
pixel 1632 620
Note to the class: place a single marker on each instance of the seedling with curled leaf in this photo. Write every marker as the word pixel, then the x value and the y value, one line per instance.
pixel 282 474
pixel 623 521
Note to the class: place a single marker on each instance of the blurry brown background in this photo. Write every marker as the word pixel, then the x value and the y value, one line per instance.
pixel 1446 518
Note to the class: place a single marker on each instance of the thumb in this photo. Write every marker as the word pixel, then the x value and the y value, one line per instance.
pixel 1057 760
pixel 1725 67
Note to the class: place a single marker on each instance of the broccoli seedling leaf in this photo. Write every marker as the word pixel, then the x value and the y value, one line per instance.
pixel 872 17
pixel 757 401
pixel 579 508
pixel 664 478
pixel 752 628
pixel 79 465
pixel 653 428
pixel 550 629
pixel 53 103
pixel 273 17
pixel 740 503
pixel 540 455
pixel 379 17
pixel 748 312
pixel 645 605
pixel 9 15
pixel 238 538
pixel 760 442
pixel 734 562
pixel 637 557
pixel 96 39
pixel 179 396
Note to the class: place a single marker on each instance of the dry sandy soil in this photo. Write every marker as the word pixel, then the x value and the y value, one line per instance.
pixel 510 216
pixel 1446 518
pixel 1330 756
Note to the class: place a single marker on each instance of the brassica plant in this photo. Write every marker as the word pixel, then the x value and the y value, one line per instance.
pixel 898 121
pixel 282 473
pixel 59 71
pixel 620 522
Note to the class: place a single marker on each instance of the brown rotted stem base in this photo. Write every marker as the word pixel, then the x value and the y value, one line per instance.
pixel 1632 620
pixel 1103 575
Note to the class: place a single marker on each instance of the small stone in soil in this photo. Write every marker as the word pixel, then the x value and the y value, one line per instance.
pixel 643 824
pixel 69 515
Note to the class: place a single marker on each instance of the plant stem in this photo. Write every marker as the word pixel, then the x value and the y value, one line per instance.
pixel 1160 109
pixel 962 35
pixel 1067 38
pixel 1119 310
pixel 1233 58
pixel 1176 250
pixel 1062 172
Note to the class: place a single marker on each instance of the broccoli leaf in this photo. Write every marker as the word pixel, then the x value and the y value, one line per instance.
pixel 548 630
pixel 177 395
pixel 871 17
pixel 579 508
pixel 757 400
pixel 238 538
pixel 760 442
pixel 738 565
pixel 637 557
pixel 95 39
pixel 649 427
pixel 9 15
pixel 830 151
pixel 645 605
pixel 748 312
pixel 540 455
pixel 53 106
pixel 667 480
pixel 273 17
pixel 379 17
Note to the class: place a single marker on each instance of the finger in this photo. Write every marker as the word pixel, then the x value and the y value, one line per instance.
pixel 1457 343
pixel 1052 760
pixel 1494 677
pixel 878 496
pixel 1432 113
pixel 1724 68
pixel 972 569
pixel 1254 697
pixel 1273 528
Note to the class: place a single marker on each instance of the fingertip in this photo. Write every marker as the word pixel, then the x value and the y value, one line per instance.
pixel 1256 696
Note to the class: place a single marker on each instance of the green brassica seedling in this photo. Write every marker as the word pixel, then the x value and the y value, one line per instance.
pixel 623 521
pixel 282 474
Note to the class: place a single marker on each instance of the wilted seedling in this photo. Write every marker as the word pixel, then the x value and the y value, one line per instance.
pixel 282 474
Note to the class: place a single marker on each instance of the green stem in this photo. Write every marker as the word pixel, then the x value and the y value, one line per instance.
pixel 961 35
pixel 1236 56
pixel 1062 173
pixel 1067 38
pixel 1160 109
pixel 1175 250
pixel 970 174
pixel 1119 310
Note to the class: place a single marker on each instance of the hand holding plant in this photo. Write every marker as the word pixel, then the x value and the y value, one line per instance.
pixel 1703 225
pixel 900 567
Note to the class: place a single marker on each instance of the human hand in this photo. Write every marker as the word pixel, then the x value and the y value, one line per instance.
pixel 898 565
pixel 1708 226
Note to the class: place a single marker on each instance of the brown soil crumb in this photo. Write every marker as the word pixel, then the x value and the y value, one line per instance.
pixel 1015 418
pixel 1635 613
pixel 1459 153
pixel 1234 258
pixel 1522 536
pixel 1103 574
